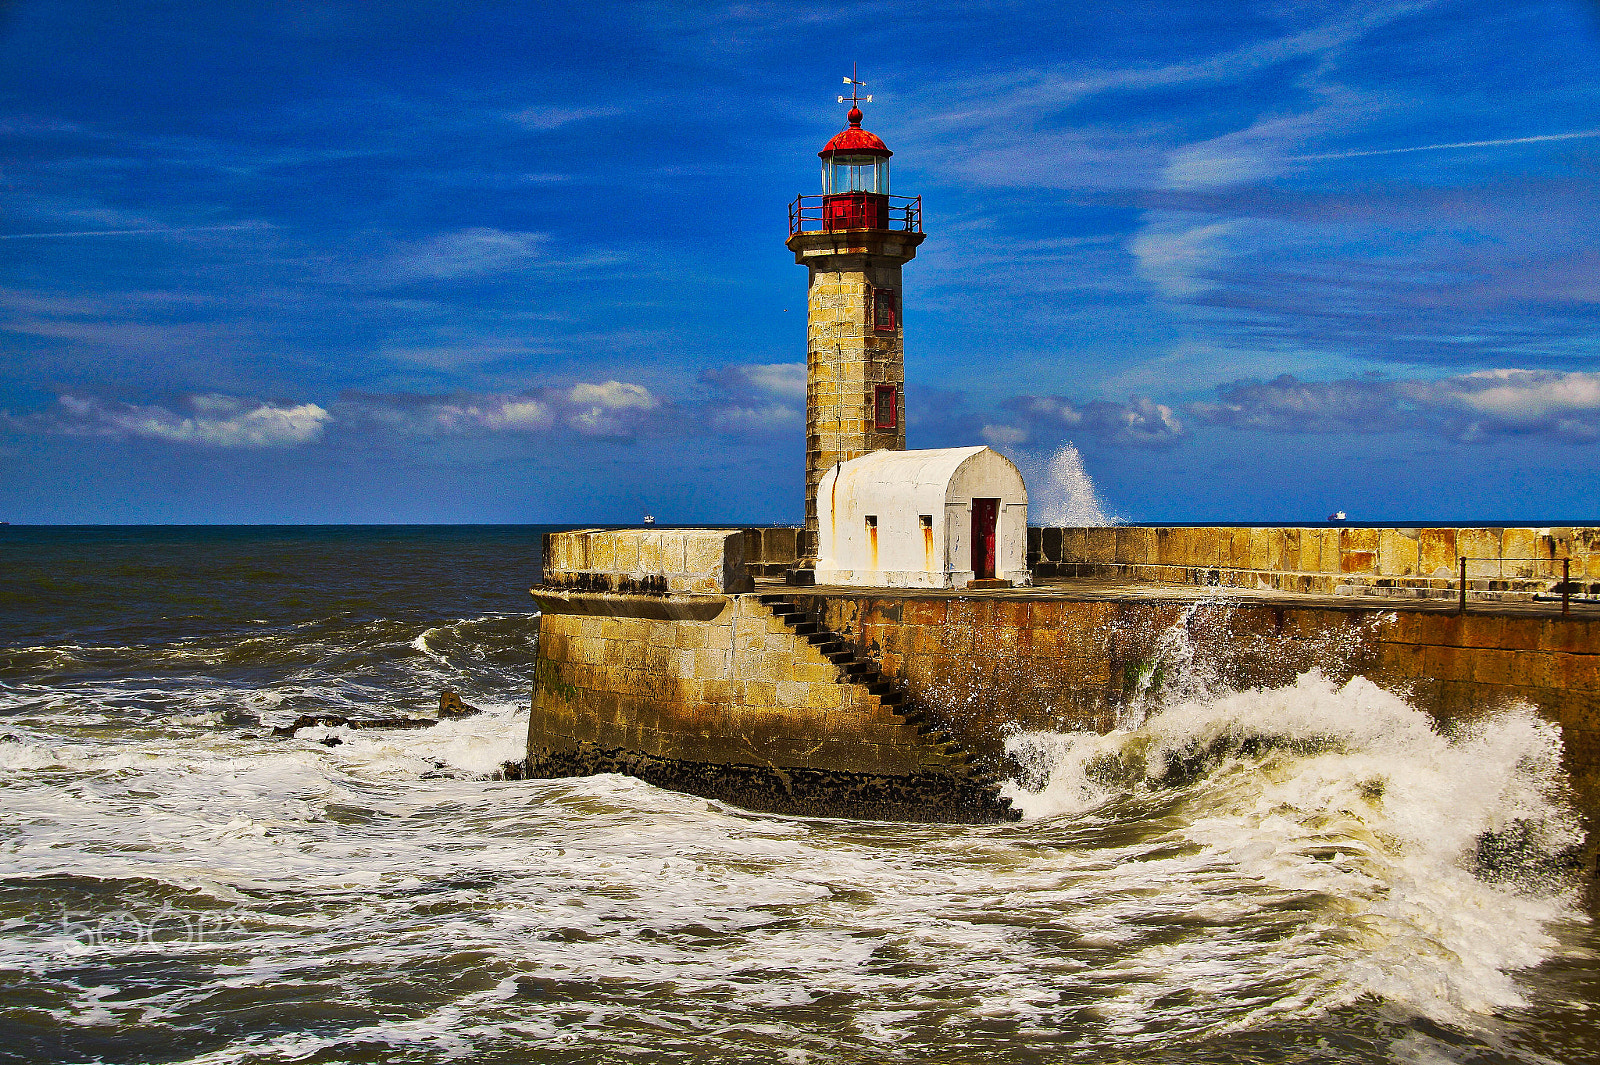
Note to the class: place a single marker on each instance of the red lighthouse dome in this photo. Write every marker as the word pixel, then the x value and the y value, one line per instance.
pixel 855 140
pixel 855 178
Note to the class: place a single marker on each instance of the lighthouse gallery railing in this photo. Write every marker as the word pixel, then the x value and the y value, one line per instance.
pixel 845 211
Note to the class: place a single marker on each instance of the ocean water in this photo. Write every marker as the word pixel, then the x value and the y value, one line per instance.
pixel 1309 874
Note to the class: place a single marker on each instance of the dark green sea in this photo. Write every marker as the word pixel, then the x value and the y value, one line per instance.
pixel 179 885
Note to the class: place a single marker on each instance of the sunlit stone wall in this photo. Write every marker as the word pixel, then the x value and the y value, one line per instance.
pixel 1505 562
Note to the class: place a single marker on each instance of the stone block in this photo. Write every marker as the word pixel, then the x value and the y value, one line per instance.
pixel 967 613
pixel 1169 547
pixel 704 550
pixel 1481 630
pixel 1330 539
pixel 1516 546
pixel 816 672
pixel 790 693
pixel 1399 664
pixel 1358 539
pixel 1438 629
pixel 1397 552
pixel 1130 547
pixel 1309 559
pixel 1493 667
pixel 824 696
pixel 930 639
pixel 777 666
pixel 1436 552
pixel 1074 545
pixel 712 664
pixel 1050 544
pixel 1289 552
pixel 672 553
pixel 1261 543
pixel 649 561
pixel 1479 544
pixel 1446 664
pixel 626 548
pixel 1579 672
pixel 1009 613
pixel 1362 563
pixel 1101 544
pixel 1577 635
pixel 1524 632
pixel 1533 669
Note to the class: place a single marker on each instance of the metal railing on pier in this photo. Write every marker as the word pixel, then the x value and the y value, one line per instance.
pixel 1470 569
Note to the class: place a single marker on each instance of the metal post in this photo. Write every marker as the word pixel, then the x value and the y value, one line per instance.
pixel 1461 606
pixel 1566 587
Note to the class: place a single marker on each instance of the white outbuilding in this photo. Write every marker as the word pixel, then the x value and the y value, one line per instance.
pixel 923 519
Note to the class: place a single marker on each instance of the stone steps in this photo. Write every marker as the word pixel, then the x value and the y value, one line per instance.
pixel 854 669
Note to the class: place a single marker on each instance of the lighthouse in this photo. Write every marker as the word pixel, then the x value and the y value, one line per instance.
pixel 852 239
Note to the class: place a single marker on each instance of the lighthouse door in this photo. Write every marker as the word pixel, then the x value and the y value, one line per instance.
pixel 985 519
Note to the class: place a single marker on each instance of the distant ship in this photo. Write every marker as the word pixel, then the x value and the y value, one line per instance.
pixel 1337 515
pixel 649 519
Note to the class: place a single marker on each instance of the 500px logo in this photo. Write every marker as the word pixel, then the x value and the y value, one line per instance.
pixel 165 927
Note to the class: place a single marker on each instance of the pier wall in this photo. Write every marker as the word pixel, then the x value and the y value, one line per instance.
pixel 987 666
pixel 1502 562
pixel 646 561
pixel 903 699
pixel 710 691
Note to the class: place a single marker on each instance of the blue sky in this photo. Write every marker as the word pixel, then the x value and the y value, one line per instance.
pixel 328 262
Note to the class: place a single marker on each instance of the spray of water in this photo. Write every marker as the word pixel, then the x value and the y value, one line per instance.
pixel 1405 861
pixel 1060 490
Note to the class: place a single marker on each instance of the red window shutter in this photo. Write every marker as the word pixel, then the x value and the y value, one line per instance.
pixel 885 408
pixel 883 310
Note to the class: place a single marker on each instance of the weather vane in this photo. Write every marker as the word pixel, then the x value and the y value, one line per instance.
pixel 856 86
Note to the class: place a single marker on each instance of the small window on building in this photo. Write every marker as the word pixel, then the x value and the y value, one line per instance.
pixel 884 318
pixel 925 520
pixel 885 408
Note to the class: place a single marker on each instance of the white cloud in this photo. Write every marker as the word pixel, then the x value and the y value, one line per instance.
pixel 211 421
pixel 1524 396
pixel 1250 154
pixel 613 395
pixel 784 380
pixel 447 415
pixel 756 397
pixel 1475 406
pixel 762 418
pixel 1140 422
pixel 466 253
pixel 1003 435
pixel 609 409
pixel 544 118
pixel 1178 259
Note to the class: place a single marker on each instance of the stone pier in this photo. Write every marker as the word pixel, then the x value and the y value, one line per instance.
pixel 897 703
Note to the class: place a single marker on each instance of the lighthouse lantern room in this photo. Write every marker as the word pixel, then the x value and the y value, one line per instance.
pixel 855 178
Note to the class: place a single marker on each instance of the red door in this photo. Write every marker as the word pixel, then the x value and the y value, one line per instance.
pixel 985 523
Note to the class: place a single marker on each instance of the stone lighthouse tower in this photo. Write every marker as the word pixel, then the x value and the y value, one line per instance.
pixel 852 239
